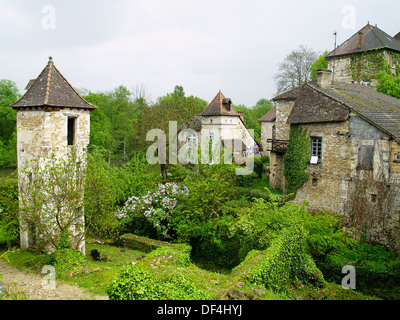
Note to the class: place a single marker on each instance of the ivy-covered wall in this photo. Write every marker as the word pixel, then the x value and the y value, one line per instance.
pixel 364 66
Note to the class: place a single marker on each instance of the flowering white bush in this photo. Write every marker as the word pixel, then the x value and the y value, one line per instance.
pixel 157 207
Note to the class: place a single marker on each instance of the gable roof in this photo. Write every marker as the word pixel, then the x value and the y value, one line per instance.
pixel 270 116
pixel 217 107
pixel 51 89
pixel 329 104
pixel 372 38
pixel 313 106
pixel 289 95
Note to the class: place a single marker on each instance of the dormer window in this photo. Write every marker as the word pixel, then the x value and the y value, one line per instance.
pixel 227 103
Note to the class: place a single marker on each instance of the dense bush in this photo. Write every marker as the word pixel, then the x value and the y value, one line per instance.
pixel 100 200
pixel 258 167
pixel 282 262
pixel 9 224
pixel 156 208
pixel 137 283
pixel 66 261
pixel 375 266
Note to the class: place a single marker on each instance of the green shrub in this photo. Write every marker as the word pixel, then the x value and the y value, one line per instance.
pixel 137 283
pixel 265 160
pixel 147 245
pixel 258 167
pixel 177 255
pixel 66 261
pixel 9 223
pixel 375 266
pixel 285 260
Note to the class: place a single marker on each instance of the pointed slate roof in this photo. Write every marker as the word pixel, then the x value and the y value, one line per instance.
pixel 371 38
pixel 217 107
pixel 270 116
pixel 51 89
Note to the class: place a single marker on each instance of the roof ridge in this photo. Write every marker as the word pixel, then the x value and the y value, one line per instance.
pixel 373 31
pixel 46 97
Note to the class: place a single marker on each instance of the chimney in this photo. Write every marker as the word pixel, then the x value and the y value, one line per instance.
pixel 324 78
pixel 360 40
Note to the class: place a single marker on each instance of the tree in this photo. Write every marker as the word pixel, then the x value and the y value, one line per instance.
pixel 251 115
pixel 52 200
pixel 294 70
pixel 320 63
pixel 171 107
pixel 8 152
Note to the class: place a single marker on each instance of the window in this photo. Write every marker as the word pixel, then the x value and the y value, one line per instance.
pixel 365 158
pixel 191 142
pixel 71 131
pixel 397 157
pixel 353 61
pixel 316 149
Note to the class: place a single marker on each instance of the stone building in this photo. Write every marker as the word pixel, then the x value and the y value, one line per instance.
pixel 51 118
pixel 221 126
pixel 354 162
pixel 364 54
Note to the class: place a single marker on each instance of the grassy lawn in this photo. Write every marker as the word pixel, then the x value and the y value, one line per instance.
pixel 263 183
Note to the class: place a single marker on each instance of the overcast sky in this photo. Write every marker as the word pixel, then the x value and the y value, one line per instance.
pixel 205 46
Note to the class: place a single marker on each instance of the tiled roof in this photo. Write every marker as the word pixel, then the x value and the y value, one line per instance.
pixel 372 38
pixel 316 104
pixel 270 116
pixel 217 107
pixel 51 89
pixel 313 106
pixel 289 95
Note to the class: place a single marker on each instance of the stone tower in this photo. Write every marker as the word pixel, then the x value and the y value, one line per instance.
pixel 51 118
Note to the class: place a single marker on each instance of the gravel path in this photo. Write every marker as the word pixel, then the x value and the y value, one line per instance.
pixel 31 285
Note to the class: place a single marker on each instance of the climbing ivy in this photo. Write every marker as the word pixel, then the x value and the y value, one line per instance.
pixel 296 159
pixel 366 65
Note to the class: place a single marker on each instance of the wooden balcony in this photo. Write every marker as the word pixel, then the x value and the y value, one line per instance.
pixel 278 146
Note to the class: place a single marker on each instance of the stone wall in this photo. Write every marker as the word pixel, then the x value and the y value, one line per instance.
pixel 266 133
pixel 368 197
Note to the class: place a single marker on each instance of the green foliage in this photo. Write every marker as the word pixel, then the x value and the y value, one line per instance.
pixel 252 114
pixel 55 186
pixel 320 63
pixel 66 261
pixel 137 283
pixel 285 260
pixel 100 199
pixel 8 139
pixel 376 267
pixel 9 223
pixel 389 84
pixel 367 64
pixel 158 208
pixel 296 159
pixel 133 178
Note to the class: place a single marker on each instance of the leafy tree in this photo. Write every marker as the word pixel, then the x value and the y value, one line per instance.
pixel 8 94
pixel 171 107
pixel 320 63
pixel 51 200
pixel 251 115
pixel 294 70
pixel 389 84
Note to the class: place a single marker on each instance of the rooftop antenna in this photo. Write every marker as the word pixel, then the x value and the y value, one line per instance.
pixel 334 49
